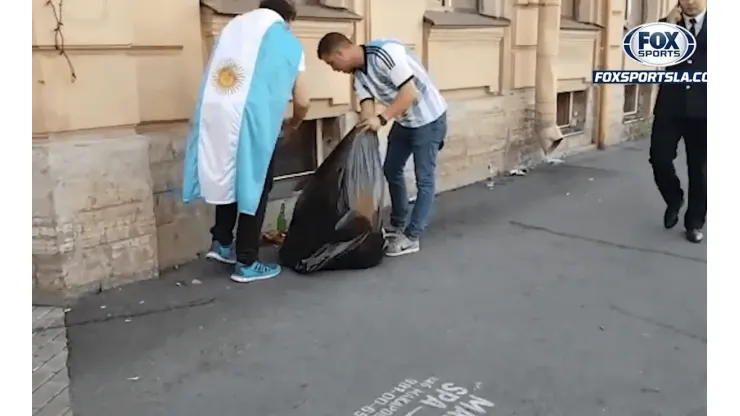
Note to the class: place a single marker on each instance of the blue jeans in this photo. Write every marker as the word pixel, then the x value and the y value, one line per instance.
pixel 423 143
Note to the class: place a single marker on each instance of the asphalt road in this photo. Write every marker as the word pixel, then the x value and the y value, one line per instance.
pixel 554 294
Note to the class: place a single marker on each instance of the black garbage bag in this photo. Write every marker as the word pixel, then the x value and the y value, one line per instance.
pixel 336 221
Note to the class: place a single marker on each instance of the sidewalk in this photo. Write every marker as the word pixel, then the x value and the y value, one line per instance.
pixel 558 293
pixel 50 379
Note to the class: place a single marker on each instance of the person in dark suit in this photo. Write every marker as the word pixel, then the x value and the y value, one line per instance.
pixel 681 112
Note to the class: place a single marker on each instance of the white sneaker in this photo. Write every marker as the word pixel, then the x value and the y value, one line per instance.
pixel 401 245
pixel 391 232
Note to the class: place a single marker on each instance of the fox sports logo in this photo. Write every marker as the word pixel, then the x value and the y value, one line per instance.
pixel 659 44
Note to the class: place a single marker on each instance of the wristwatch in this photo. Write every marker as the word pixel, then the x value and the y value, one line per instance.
pixel 382 119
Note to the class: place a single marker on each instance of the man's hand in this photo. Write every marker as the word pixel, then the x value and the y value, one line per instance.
pixel 372 124
pixel 675 15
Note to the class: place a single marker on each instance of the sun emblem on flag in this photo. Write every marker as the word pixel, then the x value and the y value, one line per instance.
pixel 228 77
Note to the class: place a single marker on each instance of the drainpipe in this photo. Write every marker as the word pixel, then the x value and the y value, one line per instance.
pixel 603 88
pixel 546 80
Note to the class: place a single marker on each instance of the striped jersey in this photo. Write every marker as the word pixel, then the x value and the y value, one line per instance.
pixel 388 66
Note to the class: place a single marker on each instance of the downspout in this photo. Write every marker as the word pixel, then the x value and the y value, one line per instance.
pixel 368 21
pixel 546 81
pixel 603 88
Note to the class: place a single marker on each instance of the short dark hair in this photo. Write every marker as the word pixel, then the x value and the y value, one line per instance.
pixel 285 8
pixel 330 42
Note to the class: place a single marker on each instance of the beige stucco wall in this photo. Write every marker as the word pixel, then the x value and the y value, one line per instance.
pixel 108 148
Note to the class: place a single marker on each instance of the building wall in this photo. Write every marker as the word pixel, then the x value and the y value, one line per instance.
pixel 108 148
pixel 107 145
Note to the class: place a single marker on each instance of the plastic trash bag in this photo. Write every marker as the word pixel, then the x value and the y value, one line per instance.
pixel 336 221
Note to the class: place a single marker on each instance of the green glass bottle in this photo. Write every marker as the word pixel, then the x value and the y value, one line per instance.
pixel 282 224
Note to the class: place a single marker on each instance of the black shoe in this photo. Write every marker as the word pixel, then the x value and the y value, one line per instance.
pixel 670 217
pixel 694 235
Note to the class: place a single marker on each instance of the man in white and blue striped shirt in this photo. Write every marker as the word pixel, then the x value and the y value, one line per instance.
pixel 387 72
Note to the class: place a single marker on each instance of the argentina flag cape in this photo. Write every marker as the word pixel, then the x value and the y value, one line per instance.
pixel 243 98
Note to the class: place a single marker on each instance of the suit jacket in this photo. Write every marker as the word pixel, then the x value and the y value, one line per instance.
pixel 686 100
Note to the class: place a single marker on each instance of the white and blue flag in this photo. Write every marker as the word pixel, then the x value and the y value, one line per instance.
pixel 243 98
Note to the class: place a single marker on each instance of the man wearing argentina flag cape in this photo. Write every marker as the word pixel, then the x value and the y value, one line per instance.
pixel 254 70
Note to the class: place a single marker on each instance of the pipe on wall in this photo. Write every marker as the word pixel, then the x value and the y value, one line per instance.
pixel 603 112
pixel 546 80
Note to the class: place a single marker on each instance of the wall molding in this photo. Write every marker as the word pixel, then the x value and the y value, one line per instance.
pixel 572 85
pixel 317 29
pixel 478 35
pixel 576 50
pixel 125 48
pixel 488 44
pixel 575 34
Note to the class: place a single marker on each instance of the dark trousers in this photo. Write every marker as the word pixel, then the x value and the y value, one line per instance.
pixel 667 132
pixel 248 227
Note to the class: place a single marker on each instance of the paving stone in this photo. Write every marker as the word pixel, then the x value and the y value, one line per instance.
pixel 49 390
pixel 39 312
pixel 49 351
pixel 50 369
pixel 58 406
pixel 41 338
pixel 49 363
pixel 49 318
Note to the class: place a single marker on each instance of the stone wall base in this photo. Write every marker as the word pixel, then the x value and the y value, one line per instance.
pixel 107 210
pixel 182 230
pixel 93 216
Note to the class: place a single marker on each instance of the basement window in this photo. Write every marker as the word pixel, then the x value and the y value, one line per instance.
pixel 571 111
pixel 637 101
pixel 298 158
pixel 631 100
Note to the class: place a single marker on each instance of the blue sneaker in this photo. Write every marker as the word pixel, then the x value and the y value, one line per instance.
pixel 255 271
pixel 224 254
